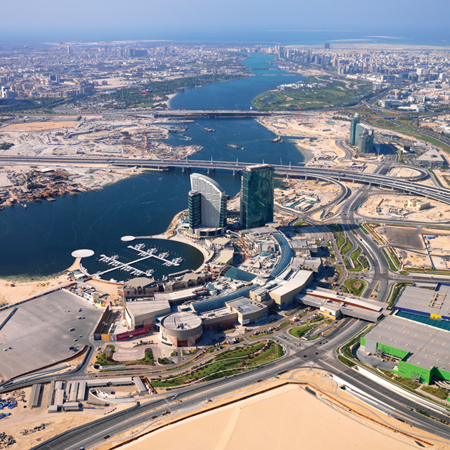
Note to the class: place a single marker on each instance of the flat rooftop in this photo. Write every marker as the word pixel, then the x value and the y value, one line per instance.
pixel 184 294
pixel 181 321
pixel 145 307
pixel 348 301
pixel 346 310
pixel 39 331
pixel 428 347
pixel 222 312
pixel 414 299
pixel 246 306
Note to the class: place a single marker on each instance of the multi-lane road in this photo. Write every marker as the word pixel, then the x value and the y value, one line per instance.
pixel 404 184
pixel 318 354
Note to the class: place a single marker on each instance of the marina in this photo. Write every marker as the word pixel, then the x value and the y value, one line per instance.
pixel 148 200
pixel 128 267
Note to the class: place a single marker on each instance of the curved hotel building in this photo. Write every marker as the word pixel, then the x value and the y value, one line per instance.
pixel 207 207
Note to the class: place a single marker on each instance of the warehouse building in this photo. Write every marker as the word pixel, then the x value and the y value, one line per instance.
pixel 247 310
pixel 144 313
pixel 181 329
pixel 423 352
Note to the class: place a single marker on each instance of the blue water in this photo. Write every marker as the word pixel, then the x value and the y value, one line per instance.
pixel 236 94
pixel 39 240
pixel 255 139
pixel 412 35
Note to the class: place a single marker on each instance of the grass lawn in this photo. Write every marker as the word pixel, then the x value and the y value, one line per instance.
pixel 105 359
pixel 347 247
pixel 356 287
pixel 298 332
pixel 437 392
pixel 330 92
pixel 228 363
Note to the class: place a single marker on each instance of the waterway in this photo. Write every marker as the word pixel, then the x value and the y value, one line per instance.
pixel 236 94
pixel 38 241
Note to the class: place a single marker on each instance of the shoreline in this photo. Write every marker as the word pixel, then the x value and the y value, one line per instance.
pixel 307 154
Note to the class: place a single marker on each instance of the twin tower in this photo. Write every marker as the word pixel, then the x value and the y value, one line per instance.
pixel 208 201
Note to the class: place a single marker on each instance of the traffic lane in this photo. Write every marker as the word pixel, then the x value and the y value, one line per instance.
pixel 116 426
pixel 193 396
pixel 392 399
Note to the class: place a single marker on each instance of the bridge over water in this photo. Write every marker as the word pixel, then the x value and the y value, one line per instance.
pixel 215 114
pixel 407 184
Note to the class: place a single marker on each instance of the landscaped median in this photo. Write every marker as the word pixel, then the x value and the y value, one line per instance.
pixel 227 363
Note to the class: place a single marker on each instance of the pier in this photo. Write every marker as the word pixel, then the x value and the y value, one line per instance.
pixel 128 267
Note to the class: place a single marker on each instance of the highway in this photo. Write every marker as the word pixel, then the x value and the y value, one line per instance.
pixel 404 184
pixel 318 354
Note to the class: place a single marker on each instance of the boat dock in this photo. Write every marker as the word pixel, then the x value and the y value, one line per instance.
pixel 128 267
pixel 152 253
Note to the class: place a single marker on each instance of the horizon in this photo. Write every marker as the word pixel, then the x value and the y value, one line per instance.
pixel 250 21
pixel 222 36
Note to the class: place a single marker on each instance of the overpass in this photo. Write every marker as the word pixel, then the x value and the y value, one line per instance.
pixel 407 184
pixel 211 114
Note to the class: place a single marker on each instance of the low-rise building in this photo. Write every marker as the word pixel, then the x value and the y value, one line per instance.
pixel 284 294
pixel 219 319
pixel 139 287
pixel 247 310
pixel 431 158
pixel 181 329
pixel 143 313
pixel 421 350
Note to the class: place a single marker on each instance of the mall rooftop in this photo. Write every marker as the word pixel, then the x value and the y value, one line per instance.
pixel 424 302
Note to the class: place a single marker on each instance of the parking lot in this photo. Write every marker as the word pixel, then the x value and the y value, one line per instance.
pixel 41 331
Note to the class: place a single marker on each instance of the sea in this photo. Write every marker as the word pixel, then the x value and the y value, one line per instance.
pixel 413 35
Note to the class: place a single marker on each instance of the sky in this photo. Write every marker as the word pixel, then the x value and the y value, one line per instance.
pixel 124 18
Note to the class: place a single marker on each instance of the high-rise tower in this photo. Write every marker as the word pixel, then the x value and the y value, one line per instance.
pixel 257 196
pixel 207 206
pixel 353 124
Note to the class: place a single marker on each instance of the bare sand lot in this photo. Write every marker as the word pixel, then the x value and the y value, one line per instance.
pixel 288 417
pixel 12 291
pixel 38 126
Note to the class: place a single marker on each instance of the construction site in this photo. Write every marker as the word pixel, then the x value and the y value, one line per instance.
pixel 83 137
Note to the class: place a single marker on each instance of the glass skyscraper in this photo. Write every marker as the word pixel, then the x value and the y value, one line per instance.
pixel 366 141
pixel 207 206
pixel 353 124
pixel 257 196
pixel 364 138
